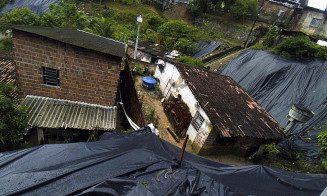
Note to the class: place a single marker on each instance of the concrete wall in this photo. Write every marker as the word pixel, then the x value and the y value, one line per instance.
pixel 305 20
pixel 85 75
pixel 169 75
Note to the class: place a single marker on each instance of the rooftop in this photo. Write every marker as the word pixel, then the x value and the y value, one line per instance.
pixel 229 107
pixel 58 113
pixel 7 68
pixel 78 38
pixel 152 48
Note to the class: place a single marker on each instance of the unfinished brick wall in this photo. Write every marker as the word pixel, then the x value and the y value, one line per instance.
pixel 85 75
pixel 270 11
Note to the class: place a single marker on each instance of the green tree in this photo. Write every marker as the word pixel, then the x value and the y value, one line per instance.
pixel 22 16
pixel 172 32
pixel 243 8
pixel 13 119
pixel 65 15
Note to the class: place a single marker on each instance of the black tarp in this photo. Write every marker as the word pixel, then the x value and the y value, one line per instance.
pixel 278 83
pixel 140 164
pixel 36 6
pixel 204 48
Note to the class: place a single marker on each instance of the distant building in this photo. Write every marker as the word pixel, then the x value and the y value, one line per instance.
pixel 68 78
pixel 309 20
pixel 295 16
pixel 224 116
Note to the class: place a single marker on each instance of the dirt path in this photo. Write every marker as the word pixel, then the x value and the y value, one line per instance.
pixel 151 102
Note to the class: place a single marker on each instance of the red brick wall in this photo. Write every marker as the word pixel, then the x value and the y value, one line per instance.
pixel 85 75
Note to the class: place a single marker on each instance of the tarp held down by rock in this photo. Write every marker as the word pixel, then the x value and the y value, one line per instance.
pixel 140 164
pixel 278 83
pixel 36 6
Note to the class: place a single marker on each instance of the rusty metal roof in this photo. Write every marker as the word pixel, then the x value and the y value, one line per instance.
pixel 7 71
pixel 78 38
pixel 58 113
pixel 229 107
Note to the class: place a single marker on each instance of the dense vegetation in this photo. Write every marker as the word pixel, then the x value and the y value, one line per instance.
pixel 13 119
pixel 297 47
pixel 118 24
pixel 237 8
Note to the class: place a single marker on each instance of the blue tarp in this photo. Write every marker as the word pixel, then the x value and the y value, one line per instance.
pixel 36 6
pixel 140 164
pixel 204 48
pixel 278 83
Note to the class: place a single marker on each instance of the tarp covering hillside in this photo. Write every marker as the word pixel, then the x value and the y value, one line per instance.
pixel 140 164
pixel 277 83
pixel 204 48
pixel 36 6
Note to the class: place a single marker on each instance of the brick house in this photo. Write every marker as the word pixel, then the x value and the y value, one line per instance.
pixel 70 73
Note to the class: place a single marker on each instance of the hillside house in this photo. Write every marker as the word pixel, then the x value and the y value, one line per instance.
pixel 223 114
pixel 311 21
pixel 68 78
pixel 295 16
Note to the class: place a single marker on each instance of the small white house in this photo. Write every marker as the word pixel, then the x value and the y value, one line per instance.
pixel 221 110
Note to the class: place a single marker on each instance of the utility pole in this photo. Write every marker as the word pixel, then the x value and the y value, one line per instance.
pixel 139 21
pixel 257 17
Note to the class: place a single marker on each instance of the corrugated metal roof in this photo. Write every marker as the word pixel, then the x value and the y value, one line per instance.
pixel 58 113
pixel 79 38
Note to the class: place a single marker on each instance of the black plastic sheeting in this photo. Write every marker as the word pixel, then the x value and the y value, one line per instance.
pixel 204 48
pixel 36 6
pixel 140 164
pixel 277 83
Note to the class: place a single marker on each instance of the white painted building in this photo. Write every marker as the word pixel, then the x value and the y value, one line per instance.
pixel 219 107
pixel 172 84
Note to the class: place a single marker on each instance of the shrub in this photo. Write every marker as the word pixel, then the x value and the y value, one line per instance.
pixel 189 60
pixel 270 37
pixel 6 44
pixel 271 148
pixel 300 47
pixel 259 46
pixel 13 119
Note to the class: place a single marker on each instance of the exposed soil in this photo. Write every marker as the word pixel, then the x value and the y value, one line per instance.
pixel 150 102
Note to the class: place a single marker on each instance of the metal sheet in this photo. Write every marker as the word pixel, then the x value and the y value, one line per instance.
pixel 58 113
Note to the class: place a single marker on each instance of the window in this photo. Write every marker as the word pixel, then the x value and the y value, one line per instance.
pixel 197 121
pixel 281 13
pixel 51 76
pixel 315 22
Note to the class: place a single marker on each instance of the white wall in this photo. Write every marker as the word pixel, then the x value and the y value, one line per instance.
pixel 169 75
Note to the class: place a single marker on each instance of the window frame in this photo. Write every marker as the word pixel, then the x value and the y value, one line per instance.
pixel 312 23
pixel 197 121
pixel 51 76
